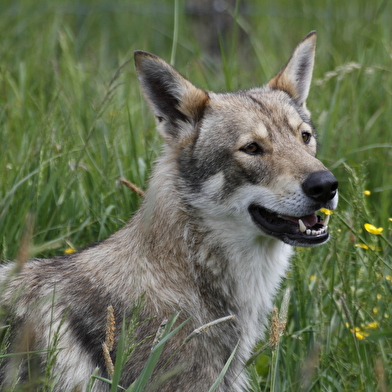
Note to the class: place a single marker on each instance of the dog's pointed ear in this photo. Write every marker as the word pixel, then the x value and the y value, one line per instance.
pixel 177 104
pixel 296 75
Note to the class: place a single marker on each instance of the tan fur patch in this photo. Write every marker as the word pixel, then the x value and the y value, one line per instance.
pixel 194 102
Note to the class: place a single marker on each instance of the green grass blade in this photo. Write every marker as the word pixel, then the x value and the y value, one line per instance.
pixel 148 369
pixel 119 364
pixel 224 370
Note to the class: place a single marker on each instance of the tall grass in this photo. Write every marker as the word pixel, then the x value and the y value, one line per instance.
pixel 72 122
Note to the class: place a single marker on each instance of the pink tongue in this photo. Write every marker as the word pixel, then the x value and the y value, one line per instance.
pixel 308 220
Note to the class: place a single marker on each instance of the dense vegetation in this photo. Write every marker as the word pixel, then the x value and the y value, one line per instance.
pixel 72 122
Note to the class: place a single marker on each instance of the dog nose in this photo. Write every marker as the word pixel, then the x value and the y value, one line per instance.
pixel 321 186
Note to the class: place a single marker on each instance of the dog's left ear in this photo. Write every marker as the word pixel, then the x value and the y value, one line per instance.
pixel 177 104
pixel 296 76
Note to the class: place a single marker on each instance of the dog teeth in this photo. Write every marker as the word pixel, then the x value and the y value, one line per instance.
pixel 325 221
pixel 315 232
pixel 302 227
pixel 321 230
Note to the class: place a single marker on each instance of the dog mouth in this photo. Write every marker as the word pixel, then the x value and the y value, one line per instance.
pixel 308 230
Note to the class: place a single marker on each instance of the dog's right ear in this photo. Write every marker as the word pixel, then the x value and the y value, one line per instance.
pixel 177 104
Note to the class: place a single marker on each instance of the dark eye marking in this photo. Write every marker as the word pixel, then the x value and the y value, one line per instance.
pixel 306 137
pixel 252 149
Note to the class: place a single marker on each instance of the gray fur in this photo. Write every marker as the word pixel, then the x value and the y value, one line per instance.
pixel 193 247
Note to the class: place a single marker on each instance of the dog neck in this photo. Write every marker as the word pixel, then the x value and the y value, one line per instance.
pixel 238 272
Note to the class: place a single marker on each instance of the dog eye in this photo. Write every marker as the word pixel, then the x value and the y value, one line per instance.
pixel 306 136
pixel 252 149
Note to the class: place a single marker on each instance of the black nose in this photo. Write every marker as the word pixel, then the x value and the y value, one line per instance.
pixel 321 186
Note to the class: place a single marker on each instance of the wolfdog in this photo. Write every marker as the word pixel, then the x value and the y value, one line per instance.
pixel 237 185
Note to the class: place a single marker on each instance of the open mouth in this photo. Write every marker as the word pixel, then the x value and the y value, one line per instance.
pixel 308 230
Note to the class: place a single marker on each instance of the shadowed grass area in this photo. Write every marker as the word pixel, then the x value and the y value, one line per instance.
pixel 73 122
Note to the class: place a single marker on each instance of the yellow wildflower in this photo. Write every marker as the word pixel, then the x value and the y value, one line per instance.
pixel 68 251
pixel 312 278
pixel 363 246
pixel 367 193
pixel 372 229
pixel 361 335
pixel 372 325
pixel 379 296
pixel 358 333
pixel 389 277
pixel 375 310
pixel 326 211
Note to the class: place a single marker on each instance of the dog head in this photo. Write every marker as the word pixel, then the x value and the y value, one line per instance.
pixel 246 157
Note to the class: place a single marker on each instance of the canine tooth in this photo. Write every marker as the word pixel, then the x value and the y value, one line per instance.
pixel 326 220
pixel 308 232
pixel 302 227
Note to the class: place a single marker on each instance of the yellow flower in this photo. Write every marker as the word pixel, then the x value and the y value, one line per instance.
pixel 326 211
pixel 363 246
pixel 390 219
pixel 361 335
pixel 68 251
pixel 372 247
pixel 375 310
pixel 379 296
pixel 367 193
pixel 372 229
pixel 358 333
pixel 312 278
pixel 372 325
